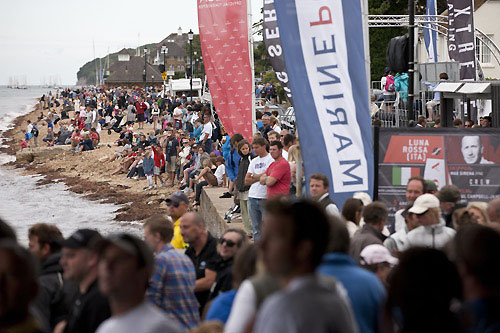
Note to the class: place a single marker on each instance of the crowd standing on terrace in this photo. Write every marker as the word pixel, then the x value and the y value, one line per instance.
pixel 297 265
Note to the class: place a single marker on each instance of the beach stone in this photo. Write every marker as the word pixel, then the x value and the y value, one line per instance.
pixel 24 157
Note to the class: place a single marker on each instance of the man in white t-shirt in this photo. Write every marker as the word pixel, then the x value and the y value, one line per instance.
pixel 125 264
pixel 206 133
pixel 257 194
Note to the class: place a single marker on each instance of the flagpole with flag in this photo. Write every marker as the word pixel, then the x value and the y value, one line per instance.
pixel 430 35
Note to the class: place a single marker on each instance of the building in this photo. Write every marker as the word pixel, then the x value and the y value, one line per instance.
pixel 129 71
pixel 176 56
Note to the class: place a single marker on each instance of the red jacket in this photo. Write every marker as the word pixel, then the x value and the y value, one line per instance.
pixel 159 158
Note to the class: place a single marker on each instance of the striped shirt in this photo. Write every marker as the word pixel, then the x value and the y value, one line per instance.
pixel 171 286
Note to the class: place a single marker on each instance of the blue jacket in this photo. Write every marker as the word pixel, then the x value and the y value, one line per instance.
pixel 401 85
pixel 221 306
pixel 197 133
pixel 148 164
pixel 366 292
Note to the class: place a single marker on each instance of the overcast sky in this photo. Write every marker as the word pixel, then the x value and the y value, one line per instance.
pixel 47 38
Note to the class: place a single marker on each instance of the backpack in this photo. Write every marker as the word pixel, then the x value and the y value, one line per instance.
pixel 389 84
pixel 34 131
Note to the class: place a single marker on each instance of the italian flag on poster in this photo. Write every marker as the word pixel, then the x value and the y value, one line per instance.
pixel 400 175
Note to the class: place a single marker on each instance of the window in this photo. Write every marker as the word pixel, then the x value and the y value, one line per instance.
pixel 180 58
pixel 483 53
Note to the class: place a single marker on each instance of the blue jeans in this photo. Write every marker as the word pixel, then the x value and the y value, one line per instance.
pixel 208 146
pixel 255 209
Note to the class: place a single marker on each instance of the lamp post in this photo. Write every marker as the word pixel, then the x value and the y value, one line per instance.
pixel 145 73
pixel 190 37
pixel 164 50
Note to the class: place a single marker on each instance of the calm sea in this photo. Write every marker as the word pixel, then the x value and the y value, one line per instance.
pixel 23 203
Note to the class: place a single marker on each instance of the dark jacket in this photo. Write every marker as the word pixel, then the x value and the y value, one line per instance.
pixel 224 278
pixel 242 172
pixel 55 295
pixel 365 236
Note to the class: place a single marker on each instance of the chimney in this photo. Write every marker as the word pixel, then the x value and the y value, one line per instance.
pixel 179 31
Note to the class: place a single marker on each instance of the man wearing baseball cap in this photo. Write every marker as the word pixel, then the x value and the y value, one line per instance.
pixel 125 265
pixel 378 259
pixel 79 262
pixel 177 206
pixel 432 231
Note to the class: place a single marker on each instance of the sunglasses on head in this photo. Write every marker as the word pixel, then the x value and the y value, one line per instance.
pixel 171 203
pixel 228 242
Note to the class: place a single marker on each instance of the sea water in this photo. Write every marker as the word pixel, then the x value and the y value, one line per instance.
pixel 24 203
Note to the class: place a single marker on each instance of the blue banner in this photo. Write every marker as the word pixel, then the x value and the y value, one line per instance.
pixel 324 54
pixel 430 34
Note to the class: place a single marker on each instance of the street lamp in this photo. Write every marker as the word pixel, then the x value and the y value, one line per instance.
pixel 164 50
pixel 145 73
pixel 190 37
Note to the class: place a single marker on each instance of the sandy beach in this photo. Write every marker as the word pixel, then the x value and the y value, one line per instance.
pixel 85 173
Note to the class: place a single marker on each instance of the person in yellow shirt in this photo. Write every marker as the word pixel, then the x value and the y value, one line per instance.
pixel 177 205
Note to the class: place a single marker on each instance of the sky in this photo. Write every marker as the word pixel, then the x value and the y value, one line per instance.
pixel 54 38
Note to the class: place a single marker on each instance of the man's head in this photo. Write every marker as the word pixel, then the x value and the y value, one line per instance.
pixel 44 240
pixel 288 140
pixel 448 196
pixel 486 121
pixel 259 146
pixel 273 136
pixel 416 187
pixel 472 149
pixel 18 286
pixel 78 257
pixel 478 259
pixel 494 210
pixel 468 124
pixel 125 264
pixel 458 123
pixel 339 240
pixel 265 120
pixel 375 214
pixel 158 231
pixel 231 241
pixel 437 123
pixel 294 237
pixel 206 118
pixel 192 227
pixel 318 185
pixel 177 205
pixel 422 121
pixel 378 259
pixel 426 207
pixel 276 149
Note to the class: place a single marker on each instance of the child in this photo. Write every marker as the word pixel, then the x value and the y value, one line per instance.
pixel 148 165
pixel 159 159
pixel 245 151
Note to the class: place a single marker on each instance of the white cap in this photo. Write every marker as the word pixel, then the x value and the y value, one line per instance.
pixel 364 197
pixel 377 254
pixel 423 203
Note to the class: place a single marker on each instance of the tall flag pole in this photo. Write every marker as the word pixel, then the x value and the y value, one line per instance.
pixel 323 46
pixel 224 40
pixel 430 34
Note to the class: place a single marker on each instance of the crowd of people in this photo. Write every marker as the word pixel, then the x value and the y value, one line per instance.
pixel 297 265
pixel 437 269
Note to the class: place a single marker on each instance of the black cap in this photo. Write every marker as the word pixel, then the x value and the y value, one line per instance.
pixel 177 197
pixel 129 244
pixel 80 239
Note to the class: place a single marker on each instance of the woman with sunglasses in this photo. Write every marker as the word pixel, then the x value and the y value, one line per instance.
pixel 229 244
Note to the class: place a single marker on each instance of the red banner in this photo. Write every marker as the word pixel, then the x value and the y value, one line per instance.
pixel 224 44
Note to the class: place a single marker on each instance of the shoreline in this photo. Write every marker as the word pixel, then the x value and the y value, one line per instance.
pixel 84 174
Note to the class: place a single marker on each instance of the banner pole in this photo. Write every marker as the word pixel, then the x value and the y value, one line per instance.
pixel 366 42
pixel 252 64
pixel 376 152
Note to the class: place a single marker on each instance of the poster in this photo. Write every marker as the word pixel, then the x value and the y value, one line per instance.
pixel 467 158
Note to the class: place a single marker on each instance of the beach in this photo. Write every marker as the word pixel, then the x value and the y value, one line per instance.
pixel 119 201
